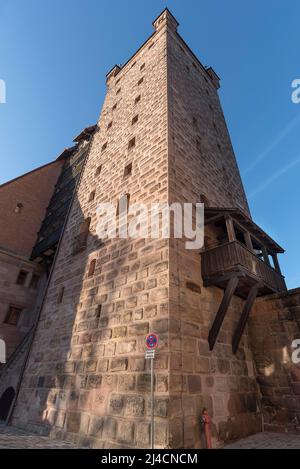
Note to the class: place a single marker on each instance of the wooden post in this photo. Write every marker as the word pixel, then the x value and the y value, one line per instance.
pixel 230 229
pixel 214 331
pixel 265 254
pixel 276 263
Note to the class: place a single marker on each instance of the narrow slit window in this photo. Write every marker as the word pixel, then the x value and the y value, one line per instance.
pixel 131 143
pixel 123 204
pixel 135 119
pixel 61 295
pixel 142 67
pixel 104 146
pixel 114 107
pixel 140 81
pixel 98 170
pixel 92 267
pixel 128 170
pixel 137 99
pixel 92 196
pixel 118 90
pixel 22 276
pixel 13 315
pixel 109 125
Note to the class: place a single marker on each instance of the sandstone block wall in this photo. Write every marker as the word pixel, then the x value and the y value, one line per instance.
pixel 274 324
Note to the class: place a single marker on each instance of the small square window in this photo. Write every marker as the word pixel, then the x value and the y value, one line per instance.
pixel 131 143
pixel 137 99
pixel 140 81
pixel 98 170
pixel 135 119
pixel 34 281
pixel 109 125
pixel 92 196
pixel 142 66
pixel 114 107
pixel 104 146
pixel 128 170
pixel 13 315
pixel 21 279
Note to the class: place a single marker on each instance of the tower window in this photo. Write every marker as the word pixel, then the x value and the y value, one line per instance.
pixel 137 99
pixel 142 66
pixel 34 281
pixel 131 143
pixel 123 204
pixel 13 315
pixel 188 68
pixel 194 120
pixel 98 170
pixel 92 196
pixel 109 125
pixel 114 107
pixel 118 80
pixel 81 239
pixel 61 295
pixel 133 64
pixel 128 170
pixel 135 119
pixel 140 81
pixel 21 279
pixel 151 45
pixel 118 90
pixel 104 146
pixel 92 268
pixel 18 208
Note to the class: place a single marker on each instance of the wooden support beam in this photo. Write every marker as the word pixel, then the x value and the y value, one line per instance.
pixel 248 240
pixel 244 317
pixel 228 294
pixel 230 229
pixel 223 278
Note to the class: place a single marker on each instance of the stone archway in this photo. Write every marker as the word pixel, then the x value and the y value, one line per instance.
pixel 5 402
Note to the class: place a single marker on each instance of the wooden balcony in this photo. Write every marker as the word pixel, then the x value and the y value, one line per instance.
pixel 220 261
pixel 238 258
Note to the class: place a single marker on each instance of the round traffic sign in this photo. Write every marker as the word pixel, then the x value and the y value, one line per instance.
pixel 152 341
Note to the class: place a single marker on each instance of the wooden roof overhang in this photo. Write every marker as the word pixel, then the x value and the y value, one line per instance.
pixel 214 214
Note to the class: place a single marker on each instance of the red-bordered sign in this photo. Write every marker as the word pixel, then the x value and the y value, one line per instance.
pixel 152 341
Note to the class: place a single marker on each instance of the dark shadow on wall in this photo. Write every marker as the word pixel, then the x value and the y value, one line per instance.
pixel 5 402
pixel 64 373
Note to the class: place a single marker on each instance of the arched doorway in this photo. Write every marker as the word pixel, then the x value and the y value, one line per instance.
pixel 5 402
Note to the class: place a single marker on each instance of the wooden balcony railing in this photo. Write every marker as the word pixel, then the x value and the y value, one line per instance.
pixel 235 256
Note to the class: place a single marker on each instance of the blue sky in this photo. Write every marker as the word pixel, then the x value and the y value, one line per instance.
pixel 54 55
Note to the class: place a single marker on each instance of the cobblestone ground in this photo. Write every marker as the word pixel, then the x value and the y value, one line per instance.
pixel 12 438
pixel 267 441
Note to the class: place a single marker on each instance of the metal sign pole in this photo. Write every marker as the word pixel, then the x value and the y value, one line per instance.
pixel 152 403
pixel 151 343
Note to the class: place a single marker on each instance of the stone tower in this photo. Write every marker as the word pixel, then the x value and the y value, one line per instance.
pixel 161 137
